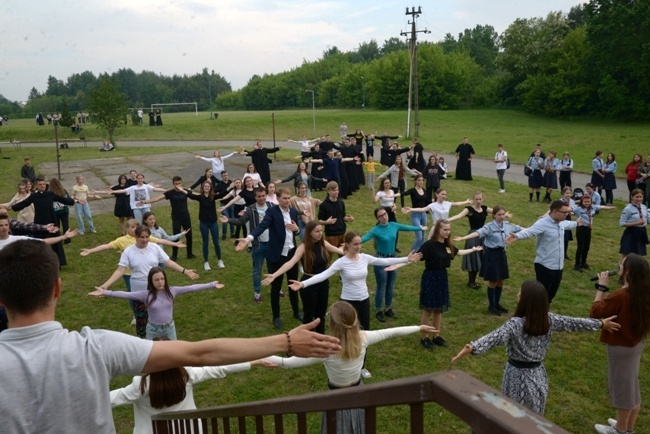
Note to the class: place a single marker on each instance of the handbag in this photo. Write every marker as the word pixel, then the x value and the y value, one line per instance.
pixel 527 171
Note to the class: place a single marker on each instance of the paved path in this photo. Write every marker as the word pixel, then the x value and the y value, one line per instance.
pixel 159 168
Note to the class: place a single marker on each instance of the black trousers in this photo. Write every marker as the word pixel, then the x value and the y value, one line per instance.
pixel 179 224
pixel 551 279
pixel 276 285
pixel 583 236
pixel 314 303
pixel 363 311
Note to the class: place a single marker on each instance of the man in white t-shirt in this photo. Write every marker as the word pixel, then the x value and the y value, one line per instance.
pixel 59 380
pixel 501 160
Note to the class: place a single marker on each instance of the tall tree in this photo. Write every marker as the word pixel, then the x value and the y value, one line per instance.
pixel 108 106
pixel 620 57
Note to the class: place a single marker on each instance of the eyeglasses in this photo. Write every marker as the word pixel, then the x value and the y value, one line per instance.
pixel 563 212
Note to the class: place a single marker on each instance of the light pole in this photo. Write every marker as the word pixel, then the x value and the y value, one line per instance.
pixel 363 93
pixel 313 109
pixel 210 96
pixel 56 140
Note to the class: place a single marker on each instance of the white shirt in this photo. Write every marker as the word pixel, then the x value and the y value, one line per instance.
pixel 499 156
pixel 386 199
pixel 13 238
pixel 257 180
pixel 288 237
pixel 353 274
pixel 439 211
pixel 139 193
pixel 261 211
pixel 142 409
pixel 142 260
pixel 343 373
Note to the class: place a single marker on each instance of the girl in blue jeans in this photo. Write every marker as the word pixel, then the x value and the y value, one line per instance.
pixel 419 199
pixel 208 223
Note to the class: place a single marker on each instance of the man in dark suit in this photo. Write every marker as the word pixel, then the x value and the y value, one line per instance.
pixel 281 223
pixel 260 159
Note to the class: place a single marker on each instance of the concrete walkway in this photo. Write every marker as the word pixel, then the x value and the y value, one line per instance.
pixel 102 172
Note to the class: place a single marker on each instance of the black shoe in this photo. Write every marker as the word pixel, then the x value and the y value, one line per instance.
pixel 298 316
pixel 389 313
pixel 223 237
pixel 585 266
pixel 380 316
pixel 232 235
pixel 173 258
pixel 191 256
pixel 474 285
pixel 501 309
pixel 426 343
pixel 277 322
pixel 578 268
pixel 567 258
pixel 439 341
pixel 494 311
pixel 398 250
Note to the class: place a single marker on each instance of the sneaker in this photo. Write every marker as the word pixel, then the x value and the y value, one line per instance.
pixel 606 429
pixel 298 316
pixel 191 256
pixel 133 321
pixel 494 311
pixel 585 266
pixel 502 191
pixel 258 298
pixel 223 237
pixel 282 294
pixel 501 309
pixel 426 343
pixel 380 316
pixel 220 264
pixel 389 313
pixel 578 268
pixel 206 266
pixel 277 322
pixel 439 341
pixel 365 373
pixel 173 258
pixel 93 231
pixel 611 421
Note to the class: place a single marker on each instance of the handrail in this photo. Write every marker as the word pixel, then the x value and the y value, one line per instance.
pixel 483 408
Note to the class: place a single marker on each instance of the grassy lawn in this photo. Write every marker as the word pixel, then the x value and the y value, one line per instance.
pixel 439 130
pixel 576 363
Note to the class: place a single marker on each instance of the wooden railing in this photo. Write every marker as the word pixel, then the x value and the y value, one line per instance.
pixel 483 408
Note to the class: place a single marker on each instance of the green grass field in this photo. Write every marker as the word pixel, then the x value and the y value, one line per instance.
pixel 576 363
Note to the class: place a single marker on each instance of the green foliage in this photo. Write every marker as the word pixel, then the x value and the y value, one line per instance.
pixel 481 43
pixel 66 119
pixel 108 107
pixel 620 56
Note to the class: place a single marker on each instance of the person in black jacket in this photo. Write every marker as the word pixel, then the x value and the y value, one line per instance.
pixel 27 171
pixel 331 214
pixel 281 223
pixel 43 201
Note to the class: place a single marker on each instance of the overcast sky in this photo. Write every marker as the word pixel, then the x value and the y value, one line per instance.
pixel 236 39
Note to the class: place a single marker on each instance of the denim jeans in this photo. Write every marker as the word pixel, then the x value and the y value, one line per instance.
pixel 301 228
pixel 500 173
pixel 258 256
pixel 139 212
pixel 158 330
pixel 385 287
pixel 230 213
pixel 83 211
pixel 418 219
pixel 206 230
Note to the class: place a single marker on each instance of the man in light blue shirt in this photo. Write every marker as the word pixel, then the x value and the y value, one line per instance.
pixel 549 230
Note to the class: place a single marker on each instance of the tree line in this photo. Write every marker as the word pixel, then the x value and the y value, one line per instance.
pixel 592 61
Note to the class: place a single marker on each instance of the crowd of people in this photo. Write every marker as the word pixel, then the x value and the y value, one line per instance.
pixel 298 236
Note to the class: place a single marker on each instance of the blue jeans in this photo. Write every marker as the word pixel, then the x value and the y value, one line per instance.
pixel 213 229
pixel 158 330
pixel 139 212
pixel 83 211
pixel 230 213
pixel 301 228
pixel 258 256
pixel 385 287
pixel 418 219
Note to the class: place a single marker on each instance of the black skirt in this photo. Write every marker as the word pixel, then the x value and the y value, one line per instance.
pixel 634 240
pixel 550 180
pixel 535 179
pixel 495 264
pixel 609 182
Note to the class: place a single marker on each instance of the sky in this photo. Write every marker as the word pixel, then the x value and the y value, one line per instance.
pixel 236 39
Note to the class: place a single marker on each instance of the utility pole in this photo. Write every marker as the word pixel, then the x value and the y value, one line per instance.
pixel 413 77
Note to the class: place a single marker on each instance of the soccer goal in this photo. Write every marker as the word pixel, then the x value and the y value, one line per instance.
pixel 196 107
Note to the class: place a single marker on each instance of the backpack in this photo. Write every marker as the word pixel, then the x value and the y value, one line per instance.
pixel 507 163
pixel 577 193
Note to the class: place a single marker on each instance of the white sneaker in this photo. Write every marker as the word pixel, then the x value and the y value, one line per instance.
pixel 611 421
pixel 502 191
pixel 365 373
pixel 220 264
pixel 606 429
pixel 206 266
pixel 133 323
